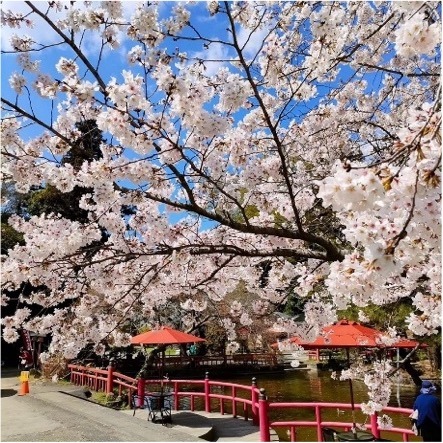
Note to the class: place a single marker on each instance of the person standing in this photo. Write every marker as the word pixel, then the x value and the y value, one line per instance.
pixel 428 408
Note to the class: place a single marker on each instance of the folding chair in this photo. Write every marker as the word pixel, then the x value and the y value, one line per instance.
pixel 166 409
pixel 159 406
pixel 135 404
pixel 154 408
pixel 329 434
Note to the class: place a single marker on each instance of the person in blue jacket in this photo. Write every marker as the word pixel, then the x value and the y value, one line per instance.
pixel 429 412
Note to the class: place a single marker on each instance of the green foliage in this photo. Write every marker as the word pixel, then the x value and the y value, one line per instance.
pixel 294 305
pixel 216 338
pixel 382 317
pixel 10 237
pixel 279 220
pixel 111 400
pixel 12 203
pixel 50 200
pixel 100 397
pixel 87 147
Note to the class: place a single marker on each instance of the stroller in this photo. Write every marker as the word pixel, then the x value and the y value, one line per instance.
pixel 25 360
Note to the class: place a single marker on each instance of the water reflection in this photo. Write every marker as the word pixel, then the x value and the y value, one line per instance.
pixel 312 385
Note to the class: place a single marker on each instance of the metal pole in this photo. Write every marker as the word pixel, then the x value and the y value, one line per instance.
pixel 207 392
pixel 398 379
pixel 351 389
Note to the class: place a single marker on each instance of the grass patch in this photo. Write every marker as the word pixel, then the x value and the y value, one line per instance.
pixel 112 400
pixel 100 398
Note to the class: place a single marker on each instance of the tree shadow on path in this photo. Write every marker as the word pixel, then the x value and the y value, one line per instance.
pixel 8 392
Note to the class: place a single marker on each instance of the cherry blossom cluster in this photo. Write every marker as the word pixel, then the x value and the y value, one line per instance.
pixel 259 152
pixel 419 36
pixel 194 305
pixel 380 205
pixel 377 381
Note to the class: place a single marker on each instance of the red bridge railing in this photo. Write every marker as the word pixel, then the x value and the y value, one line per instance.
pixel 249 402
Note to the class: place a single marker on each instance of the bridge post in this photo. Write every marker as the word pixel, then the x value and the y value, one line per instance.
pixel 207 391
pixel 374 426
pixel 318 420
pixel 141 392
pixel 109 380
pixel 254 401
pixel 234 404
pixel 263 409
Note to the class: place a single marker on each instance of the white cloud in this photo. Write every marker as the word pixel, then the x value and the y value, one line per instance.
pixel 35 32
pixel 47 38
pixel 129 8
pixel 255 41
pixel 215 57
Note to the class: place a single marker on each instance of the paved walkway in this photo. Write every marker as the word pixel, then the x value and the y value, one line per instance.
pixel 48 414
pixel 211 426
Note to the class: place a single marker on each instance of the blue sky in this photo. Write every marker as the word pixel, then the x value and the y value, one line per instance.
pixel 116 60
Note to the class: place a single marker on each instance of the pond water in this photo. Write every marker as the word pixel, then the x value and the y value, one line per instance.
pixel 312 385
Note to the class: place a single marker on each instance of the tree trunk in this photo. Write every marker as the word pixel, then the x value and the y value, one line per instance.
pixel 415 375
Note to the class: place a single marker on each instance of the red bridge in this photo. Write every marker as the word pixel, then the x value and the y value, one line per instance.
pixel 248 402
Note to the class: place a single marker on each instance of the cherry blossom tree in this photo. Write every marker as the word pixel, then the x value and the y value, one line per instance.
pixel 304 135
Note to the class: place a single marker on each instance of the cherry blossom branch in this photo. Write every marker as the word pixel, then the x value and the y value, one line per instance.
pixel 406 149
pixel 271 127
pixel 332 253
pixel 35 119
pixel 392 245
pixel 347 56
pixel 214 272
pixel 210 180
pixel 70 42
pixel 42 48
pixel 299 153
pixel 402 74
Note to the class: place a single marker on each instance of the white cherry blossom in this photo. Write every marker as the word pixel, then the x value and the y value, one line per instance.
pixel 254 149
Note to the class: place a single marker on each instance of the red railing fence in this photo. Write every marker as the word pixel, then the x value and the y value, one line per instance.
pixel 209 395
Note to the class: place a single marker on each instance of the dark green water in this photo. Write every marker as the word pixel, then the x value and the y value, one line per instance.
pixel 312 385
pixel 318 386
